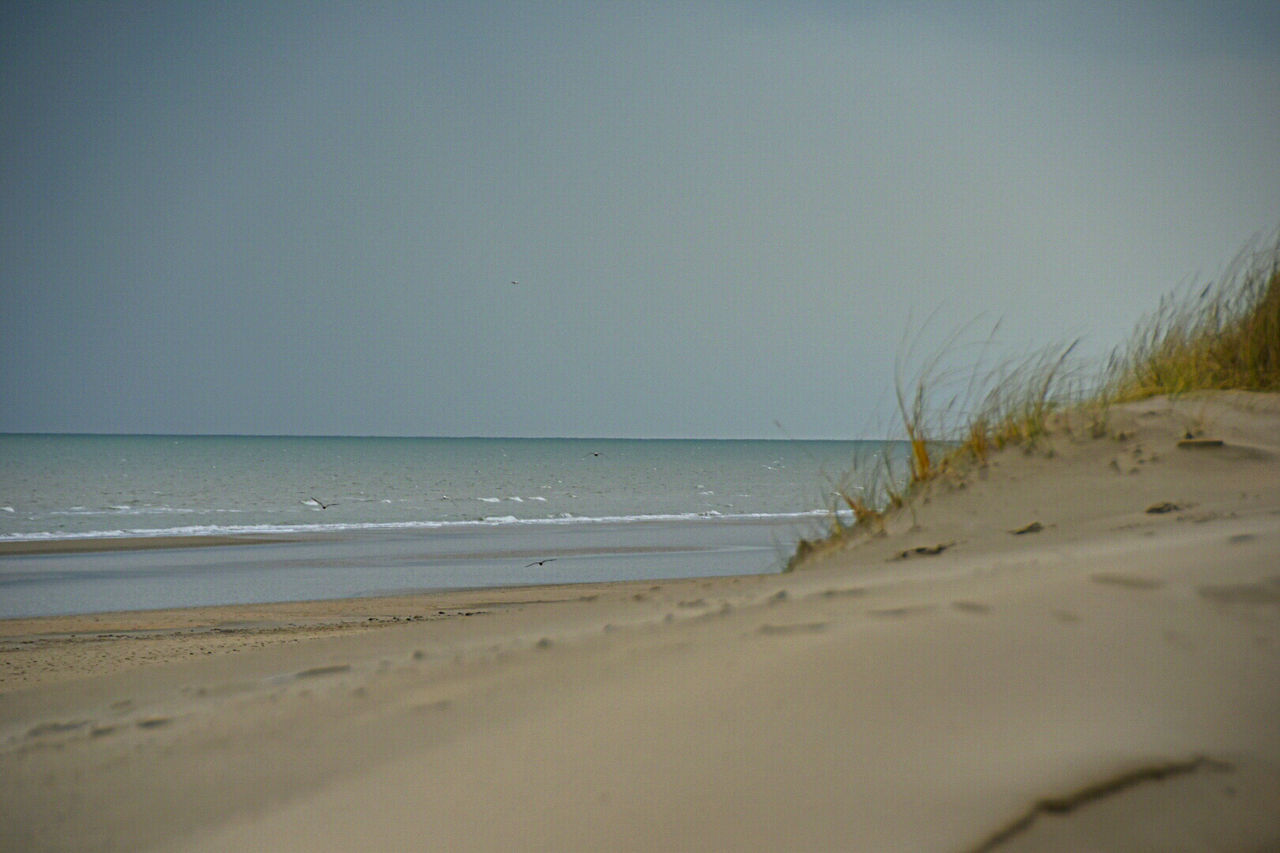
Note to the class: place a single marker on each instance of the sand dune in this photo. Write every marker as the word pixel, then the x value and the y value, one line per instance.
pixel 1075 648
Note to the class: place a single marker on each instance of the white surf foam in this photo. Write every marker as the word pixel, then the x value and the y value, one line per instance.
pixel 342 527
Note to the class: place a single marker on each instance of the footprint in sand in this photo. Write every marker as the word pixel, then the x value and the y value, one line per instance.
pixel 900 612
pixel 431 707
pixel 800 628
pixel 851 592
pixel 323 670
pixel 154 722
pixel 1263 592
pixel 971 606
pixel 56 728
pixel 1126 581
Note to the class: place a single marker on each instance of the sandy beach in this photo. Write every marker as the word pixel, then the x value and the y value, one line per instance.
pixel 1070 648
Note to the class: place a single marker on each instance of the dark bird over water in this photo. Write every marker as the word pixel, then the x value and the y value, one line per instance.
pixel 541 562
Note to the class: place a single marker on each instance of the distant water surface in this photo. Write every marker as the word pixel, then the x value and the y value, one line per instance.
pixel 360 516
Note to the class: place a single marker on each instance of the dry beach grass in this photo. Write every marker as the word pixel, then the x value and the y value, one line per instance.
pixel 1223 336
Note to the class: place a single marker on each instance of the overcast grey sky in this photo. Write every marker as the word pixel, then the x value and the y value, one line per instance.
pixel 306 218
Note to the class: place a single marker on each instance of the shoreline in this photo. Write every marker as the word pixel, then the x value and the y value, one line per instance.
pixel 1118 660
pixel 177 572
pixel 106 544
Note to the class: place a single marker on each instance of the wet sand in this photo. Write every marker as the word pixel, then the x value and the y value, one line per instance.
pixel 167 574
pixel 90 545
pixel 1076 648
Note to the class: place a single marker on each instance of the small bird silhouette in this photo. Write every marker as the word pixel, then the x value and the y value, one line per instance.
pixel 541 562
pixel 320 504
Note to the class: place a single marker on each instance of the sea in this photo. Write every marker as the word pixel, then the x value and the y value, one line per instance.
pixel 332 517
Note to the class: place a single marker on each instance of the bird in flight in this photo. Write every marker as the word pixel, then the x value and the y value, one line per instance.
pixel 515 282
pixel 542 562
pixel 316 502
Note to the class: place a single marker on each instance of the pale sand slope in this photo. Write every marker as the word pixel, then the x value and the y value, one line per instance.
pixel 1111 682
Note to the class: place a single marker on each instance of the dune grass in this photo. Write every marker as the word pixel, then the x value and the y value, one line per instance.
pixel 1226 337
pixel 1223 336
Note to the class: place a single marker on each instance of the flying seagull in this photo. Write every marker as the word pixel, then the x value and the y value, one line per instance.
pixel 318 503
pixel 515 282
pixel 542 562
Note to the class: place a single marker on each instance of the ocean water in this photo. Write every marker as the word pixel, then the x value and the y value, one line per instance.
pixel 362 516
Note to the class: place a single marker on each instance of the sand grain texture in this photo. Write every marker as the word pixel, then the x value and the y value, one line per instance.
pixel 1111 682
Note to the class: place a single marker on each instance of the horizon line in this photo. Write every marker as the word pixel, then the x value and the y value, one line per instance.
pixel 82 433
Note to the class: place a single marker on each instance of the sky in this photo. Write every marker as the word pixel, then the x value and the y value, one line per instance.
pixel 598 219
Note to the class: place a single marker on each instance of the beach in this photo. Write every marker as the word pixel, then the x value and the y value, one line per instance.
pixel 1075 646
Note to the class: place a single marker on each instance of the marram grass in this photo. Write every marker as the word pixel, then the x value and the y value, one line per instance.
pixel 1224 336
